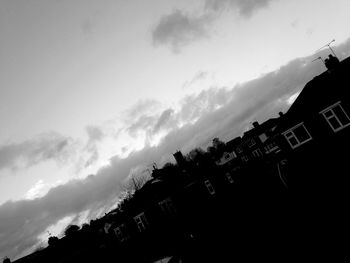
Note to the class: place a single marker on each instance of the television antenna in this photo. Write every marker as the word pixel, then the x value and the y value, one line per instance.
pixel 318 59
pixel 329 46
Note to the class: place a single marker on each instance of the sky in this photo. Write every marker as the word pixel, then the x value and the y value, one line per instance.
pixel 94 92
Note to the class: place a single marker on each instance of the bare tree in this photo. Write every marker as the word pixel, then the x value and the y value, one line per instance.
pixel 135 183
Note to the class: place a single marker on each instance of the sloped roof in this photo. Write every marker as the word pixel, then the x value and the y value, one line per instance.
pixel 319 92
pixel 263 127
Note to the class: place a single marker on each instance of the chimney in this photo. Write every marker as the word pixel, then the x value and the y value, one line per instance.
pixel 255 124
pixel 281 114
pixel 180 159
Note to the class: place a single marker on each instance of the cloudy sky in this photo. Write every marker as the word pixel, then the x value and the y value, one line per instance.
pixel 92 92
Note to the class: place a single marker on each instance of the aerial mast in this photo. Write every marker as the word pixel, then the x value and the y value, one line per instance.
pixel 329 46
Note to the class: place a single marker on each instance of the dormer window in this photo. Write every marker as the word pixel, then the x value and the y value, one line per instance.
pixel 336 117
pixel 297 135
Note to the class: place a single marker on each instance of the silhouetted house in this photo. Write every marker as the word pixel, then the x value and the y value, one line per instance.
pixel 315 131
pixel 256 140
pixel 230 154
pixel 320 111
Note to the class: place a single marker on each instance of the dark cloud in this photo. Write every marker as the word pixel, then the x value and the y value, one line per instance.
pixel 49 146
pixel 219 112
pixel 244 7
pixel 179 29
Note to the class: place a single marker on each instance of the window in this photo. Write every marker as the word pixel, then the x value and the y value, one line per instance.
pixel 229 178
pixel 271 147
pixel 336 117
pixel 239 149
pixel 209 186
pixel 297 135
pixel 167 206
pixel 263 137
pixel 121 232
pixel 141 222
pixel 245 158
pixel 251 143
pixel 257 153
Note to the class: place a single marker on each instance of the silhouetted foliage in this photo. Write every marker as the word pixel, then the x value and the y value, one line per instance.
pixel 71 230
pixel 217 148
pixel 52 241
pixel 195 155
pixel 6 260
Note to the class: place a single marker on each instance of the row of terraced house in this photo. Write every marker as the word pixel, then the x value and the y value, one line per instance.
pixel 304 150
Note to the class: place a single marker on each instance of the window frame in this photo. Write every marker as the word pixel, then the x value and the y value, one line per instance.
pixel 209 187
pixel 121 232
pixel 330 108
pixel 251 143
pixel 229 178
pixel 257 153
pixel 143 221
pixel 167 206
pixel 291 130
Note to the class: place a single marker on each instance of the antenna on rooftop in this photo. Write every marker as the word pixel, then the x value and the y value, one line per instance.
pixel 329 46
pixel 318 59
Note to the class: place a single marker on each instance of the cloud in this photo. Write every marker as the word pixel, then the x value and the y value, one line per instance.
pixel 216 112
pixel 142 107
pixel 198 77
pixel 244 8
pixel 178 29
pixel 49 146
pixel 163 120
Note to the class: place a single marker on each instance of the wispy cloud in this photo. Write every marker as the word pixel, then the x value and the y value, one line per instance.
pixel 49 146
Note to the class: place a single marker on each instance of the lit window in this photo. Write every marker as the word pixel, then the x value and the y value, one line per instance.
pixel 167 206
pixel 141 222
pixel 257 153
pixel 336 117
pixel 263 137
pixel 297 135
pixel 209 187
